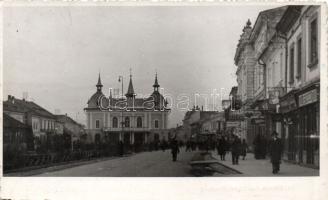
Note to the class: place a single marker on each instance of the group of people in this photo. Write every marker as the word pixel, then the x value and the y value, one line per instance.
pixel 235 145
pixel 239 147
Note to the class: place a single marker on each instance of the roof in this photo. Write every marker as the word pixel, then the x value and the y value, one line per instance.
pixel 270 16
pixel 130 92
pixel 23 106
pixel 99 82
pixel 66 118
pixel 289 18
pixel 93 101
pixel 10 122
pixel 118 103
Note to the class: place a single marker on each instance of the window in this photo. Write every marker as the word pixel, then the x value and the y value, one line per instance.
pixel 281 68
pixel 115 122
pixel 313 42
pixel 156 123
pixel 97 124
pixel 127 122
pixel 299 58
pixel 291 65
pixel 139 122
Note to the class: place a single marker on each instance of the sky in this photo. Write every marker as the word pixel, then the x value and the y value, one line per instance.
pixel 55 53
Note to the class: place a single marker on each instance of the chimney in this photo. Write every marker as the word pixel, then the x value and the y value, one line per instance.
pixel 202 108
pixel 9 97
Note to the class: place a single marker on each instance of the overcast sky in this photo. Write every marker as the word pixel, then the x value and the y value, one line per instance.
pixel 55 53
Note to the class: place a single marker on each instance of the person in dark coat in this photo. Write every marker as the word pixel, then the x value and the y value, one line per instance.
pixel 222 147
pixel 235 150
pixel 244 148
pixel 121 148
pixel 174 149
pixel 275 152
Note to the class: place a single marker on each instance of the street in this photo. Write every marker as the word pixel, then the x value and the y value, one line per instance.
pixel 145 164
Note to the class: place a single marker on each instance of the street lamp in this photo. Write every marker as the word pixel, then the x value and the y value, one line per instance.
pixel 120 79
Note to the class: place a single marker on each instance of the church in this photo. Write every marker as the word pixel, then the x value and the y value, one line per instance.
pixel 134 121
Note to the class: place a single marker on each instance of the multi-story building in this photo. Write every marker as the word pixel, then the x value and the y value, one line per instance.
pixel 245 62
pixel 269 50
pixel 42 122
pixel 300 107
pixel 131 120
pixel 285 76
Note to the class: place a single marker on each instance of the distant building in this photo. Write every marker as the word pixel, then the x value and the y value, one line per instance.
pixel 193 121
pixel 71 127
pixel 135 121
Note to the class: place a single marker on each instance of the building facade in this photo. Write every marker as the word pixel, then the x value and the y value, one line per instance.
pixel 300 107
pixel 134 121
pixel 283 56
pixel 42 122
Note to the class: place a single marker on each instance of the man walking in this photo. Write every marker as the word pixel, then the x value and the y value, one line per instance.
pixel 221 147
pixel 235 150
pixel 275 152
pixel 174 149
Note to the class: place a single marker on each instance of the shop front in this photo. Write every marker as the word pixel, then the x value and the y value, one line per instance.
pixel 309 126
pixel 289 124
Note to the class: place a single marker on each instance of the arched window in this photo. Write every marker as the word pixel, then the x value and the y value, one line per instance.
pixel 156 123
pixel 115 122
pixel 127 122
pixel 139 122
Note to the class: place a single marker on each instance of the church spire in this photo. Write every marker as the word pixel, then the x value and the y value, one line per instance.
pixel 99 85
pixel 130 92
pixel 156 85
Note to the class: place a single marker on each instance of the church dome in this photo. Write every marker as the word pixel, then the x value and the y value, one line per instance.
pixel 93 101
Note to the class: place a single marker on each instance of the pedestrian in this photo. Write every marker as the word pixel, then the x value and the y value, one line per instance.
pixel 244 148
pixel 275 152
pixel 222 147
pixel 235 150
pixel 174 149
pixel 121 148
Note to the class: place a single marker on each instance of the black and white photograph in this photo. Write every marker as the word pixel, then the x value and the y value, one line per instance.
pixel 162 90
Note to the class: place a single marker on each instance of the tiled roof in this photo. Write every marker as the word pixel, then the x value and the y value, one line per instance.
pixel 23 106
pixel 65 118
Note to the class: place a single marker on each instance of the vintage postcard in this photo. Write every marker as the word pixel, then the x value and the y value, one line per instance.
pixel 101 96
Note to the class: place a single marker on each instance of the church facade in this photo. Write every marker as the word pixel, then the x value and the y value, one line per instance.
pixel 134 121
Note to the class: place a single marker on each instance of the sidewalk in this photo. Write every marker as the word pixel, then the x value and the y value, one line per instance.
pixel 252 167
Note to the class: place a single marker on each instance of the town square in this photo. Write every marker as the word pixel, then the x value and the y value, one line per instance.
pixel 162 91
